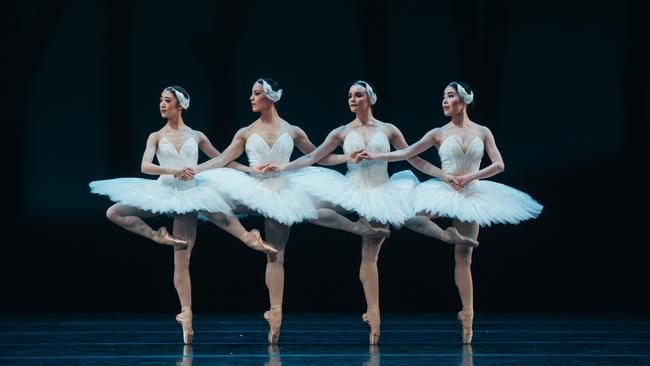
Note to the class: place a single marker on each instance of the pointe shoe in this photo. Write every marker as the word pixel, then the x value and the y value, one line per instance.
pixel 373 320
pixel 274 317
pixel 162 236
pixel 185 320
pixel 466 317
pixel 454 237
pixel 369 230
pixel 259 244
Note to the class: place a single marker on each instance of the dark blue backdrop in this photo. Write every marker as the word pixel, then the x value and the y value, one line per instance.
pixel 562 85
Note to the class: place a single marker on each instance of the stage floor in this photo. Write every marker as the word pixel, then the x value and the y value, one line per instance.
pixel 323 339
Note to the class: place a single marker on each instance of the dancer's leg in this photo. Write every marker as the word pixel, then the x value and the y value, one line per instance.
pixel 277 236
pixel 369 276
pixel 130 218
pixel 330 218
pixel 463 277
pixel 184 228
pixel 233 226
pixel 423 224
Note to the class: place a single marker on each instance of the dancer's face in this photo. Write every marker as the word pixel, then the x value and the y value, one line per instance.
pixel 259 101
pixel 358 99
pixel 451 103
pixel 169 105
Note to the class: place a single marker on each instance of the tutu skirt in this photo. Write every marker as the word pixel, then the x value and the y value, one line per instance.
pixel 483 202
pixel 387 202
pixel 272 196
pixel 165 195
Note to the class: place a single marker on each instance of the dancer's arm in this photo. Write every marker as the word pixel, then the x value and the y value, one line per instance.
pixel 206 146
pixel 232 152
pixel 410 152
pixel 495 168
pixel 147 166
pixel 405 151
pixel 306 147
pixel 331 142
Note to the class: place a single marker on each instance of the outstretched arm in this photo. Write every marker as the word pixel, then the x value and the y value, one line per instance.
pixel 306 147
pixel 404 151
pixel 410 152
pixel 331 142
pixel 147 166
pixel 232 152
pixel 206 146
pixel 495 168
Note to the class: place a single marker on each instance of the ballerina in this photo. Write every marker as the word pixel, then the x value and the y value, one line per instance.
pixel 462 193
pixel 175 146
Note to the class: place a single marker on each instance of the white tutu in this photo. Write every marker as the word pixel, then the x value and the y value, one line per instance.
pixel 273 196
pixel 165 195
pixel 387 202
pixel 483 202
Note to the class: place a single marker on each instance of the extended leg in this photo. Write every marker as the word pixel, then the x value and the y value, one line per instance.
pixel 130 218
pixel 328 217
pixel 423 224
pixel 232 225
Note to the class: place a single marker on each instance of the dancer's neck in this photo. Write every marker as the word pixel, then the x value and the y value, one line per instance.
pixel 270 115
pixel 461 119
pixel 176 122
pixel 365 117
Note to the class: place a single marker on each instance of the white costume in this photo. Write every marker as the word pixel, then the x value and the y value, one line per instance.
pixel 271 195
pixel 483 202
pixel 166 195
pixel 366 188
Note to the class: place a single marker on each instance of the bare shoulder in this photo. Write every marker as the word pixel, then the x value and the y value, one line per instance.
pixel 434 136
pixel 189 130
pixel 482 131
pixel 340 131
pixel 295 131
pixel 436 132
pixel 199 136
pixel 154 136
pixel 387 126
pixel 444 128
pixel 389 129
pixel 244 132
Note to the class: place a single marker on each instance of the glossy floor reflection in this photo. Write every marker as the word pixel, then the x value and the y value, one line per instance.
pixel 323 339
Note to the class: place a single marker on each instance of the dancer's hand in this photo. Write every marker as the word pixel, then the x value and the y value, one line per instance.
pixel 272 168
pixel 366 155
pixel 260 169
pixel 189 173
pixel 178 174
pixel 185 174
pixel 462 180
pixel 449 179
pixel 355 156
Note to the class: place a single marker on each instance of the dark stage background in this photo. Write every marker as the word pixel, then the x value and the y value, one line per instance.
pixel 562 85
